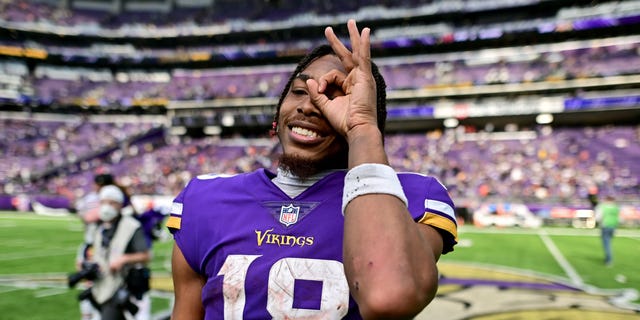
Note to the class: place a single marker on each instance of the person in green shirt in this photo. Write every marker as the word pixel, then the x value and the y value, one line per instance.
pixel 608 217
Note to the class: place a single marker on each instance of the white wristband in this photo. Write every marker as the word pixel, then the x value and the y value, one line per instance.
pixel 371 178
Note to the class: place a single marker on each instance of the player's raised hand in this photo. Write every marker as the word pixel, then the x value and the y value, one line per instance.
pixel 358 106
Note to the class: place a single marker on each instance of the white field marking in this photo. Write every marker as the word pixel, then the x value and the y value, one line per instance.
pixel 7 224
pixel 626 233
pixel 21 242
pixel 50 292
pixel 20 256
pixel 21 284
pixel 32 276
pixel 29 216
pixel 465 243
pixel 8 290
pixel 560 259
pixel 620 278
pixel 75 228
pixel 33 281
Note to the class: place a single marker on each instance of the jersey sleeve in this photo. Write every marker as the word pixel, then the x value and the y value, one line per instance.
pixel 179 228
pixel 430 204
pixel 174 221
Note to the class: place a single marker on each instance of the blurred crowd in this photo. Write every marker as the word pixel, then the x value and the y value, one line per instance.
pixel 60 157
pixel 554 165
pixel 51 85
pixel 103 87
pixel 558 166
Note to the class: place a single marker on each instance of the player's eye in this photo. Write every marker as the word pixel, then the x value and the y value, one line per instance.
pixel 298 91
pixel 333 91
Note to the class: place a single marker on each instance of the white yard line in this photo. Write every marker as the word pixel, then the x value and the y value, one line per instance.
pixel 29 216
pixel 626 233
pixel 561 260
pixel 20 256
pixel 8 289
pixel 50 292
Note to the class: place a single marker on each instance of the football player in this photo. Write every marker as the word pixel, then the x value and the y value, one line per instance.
pixel 335 233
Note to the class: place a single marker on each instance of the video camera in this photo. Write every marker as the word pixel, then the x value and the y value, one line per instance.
pixel 89 271
pixel 122 299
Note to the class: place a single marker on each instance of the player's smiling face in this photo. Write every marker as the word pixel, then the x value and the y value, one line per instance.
pixel 302 129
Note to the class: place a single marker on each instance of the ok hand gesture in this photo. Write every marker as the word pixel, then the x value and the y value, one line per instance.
pixel 358 106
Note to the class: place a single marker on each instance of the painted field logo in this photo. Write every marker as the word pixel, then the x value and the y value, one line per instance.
pixel 475 292
pixel 289 214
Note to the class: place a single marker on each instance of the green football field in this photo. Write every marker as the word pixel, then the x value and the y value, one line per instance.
pixel 38 252
pixel 574 254
pixel 36 256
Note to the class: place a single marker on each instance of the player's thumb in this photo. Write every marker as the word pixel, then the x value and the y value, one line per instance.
pixel 317 98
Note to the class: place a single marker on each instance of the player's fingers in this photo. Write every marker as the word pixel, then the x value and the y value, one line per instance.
pixel 354 36
pixel 364 50
pixel 339 48
pixel 333 77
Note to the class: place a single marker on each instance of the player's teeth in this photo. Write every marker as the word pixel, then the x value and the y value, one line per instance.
pixel 304 132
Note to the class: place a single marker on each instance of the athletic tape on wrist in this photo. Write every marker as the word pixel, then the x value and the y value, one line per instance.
pixel 371 178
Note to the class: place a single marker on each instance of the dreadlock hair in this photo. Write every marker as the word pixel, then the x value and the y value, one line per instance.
pixel 323 50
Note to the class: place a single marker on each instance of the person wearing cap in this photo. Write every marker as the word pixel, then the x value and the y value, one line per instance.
pixel 119 248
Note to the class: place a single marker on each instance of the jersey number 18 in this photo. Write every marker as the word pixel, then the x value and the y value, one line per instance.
pixel 334 302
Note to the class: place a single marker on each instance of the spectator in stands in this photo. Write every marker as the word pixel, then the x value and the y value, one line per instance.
pixel 336 233
pixel 592 196
pixel 608 217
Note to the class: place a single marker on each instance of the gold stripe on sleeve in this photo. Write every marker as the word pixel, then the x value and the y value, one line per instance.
pixel 440 222
pixel 174 222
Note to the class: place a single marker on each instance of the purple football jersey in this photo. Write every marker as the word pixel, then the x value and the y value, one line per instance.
pixel 268 256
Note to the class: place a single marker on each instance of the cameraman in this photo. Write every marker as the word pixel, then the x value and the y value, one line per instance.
pixel 88 208
pixel 119 247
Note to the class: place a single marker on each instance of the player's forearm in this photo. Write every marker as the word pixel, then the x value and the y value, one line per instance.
pixel 390 271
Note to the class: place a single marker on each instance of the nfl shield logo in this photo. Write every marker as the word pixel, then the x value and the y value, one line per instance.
pixel 289 214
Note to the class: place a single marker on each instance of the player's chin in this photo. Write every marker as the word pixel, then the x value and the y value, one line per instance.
pixel 328 148
pixel 306 154
pixel 305 165
pixel 316 152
